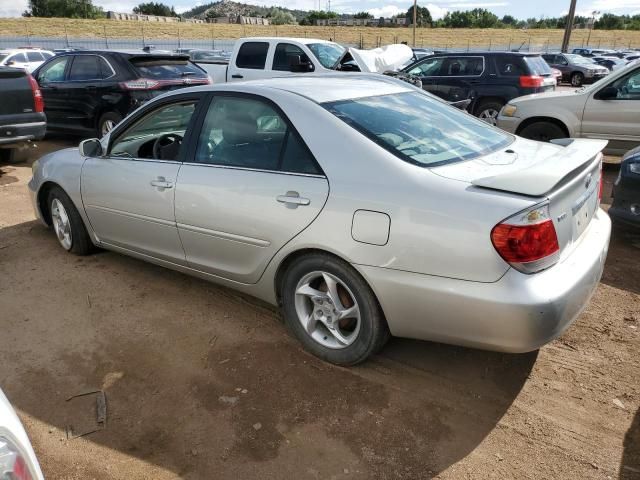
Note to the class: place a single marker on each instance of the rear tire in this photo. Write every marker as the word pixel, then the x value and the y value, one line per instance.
pixel 67 223
pixel 488 111
pixel 542 131
pixel 107 122
pixel 310 288
pixel 577 79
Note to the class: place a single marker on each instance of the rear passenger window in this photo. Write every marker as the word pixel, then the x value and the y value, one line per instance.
pixel 85 67
pixel 252 55
pixel 249 133
pixel 18 58
pixel 462 67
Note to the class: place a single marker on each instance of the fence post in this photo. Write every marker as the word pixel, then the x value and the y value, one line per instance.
pixel 509 48
pixel 213 42
pixel 468 42
pixel 599 43
pixel 179 39
pixel 106 41
pixel 66 35
pixel 529 47
pixel 614 42
pixel 490 43
pixel 26 26
pixel 142 29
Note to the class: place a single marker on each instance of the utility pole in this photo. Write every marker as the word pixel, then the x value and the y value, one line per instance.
pixel 415 16
pixel 569 26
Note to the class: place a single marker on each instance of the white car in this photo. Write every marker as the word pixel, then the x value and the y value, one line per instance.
pixel 17 458
pixel 607 110
pixel 27 58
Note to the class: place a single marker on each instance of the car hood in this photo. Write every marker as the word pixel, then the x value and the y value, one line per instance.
pixel 525 167
pixel 551 96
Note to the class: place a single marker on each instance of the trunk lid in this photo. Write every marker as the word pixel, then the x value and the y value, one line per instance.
pixel 566 173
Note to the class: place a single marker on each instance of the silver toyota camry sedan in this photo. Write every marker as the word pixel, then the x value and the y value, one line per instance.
pixel 360 205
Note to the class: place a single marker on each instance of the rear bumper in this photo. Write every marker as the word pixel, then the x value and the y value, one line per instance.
pixel 22 132
pixel 518 313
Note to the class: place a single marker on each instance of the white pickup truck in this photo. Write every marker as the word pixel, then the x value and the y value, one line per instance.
pixel 266 57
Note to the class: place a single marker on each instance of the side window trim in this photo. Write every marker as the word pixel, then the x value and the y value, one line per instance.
pixel 196 129
pixel 152 107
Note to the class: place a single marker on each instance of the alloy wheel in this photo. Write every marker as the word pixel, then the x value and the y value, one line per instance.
pixel 61 224
pixel 327 310
pixel 107 126
pixel 490 115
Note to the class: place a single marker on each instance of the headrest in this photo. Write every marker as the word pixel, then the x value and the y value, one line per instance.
pixel 239 128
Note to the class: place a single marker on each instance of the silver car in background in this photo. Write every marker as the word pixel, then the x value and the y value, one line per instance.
pixel 359 204
pixel 17 458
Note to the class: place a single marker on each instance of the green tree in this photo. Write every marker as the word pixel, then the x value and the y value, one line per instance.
pixel 509 20
pixel 155 8
pixel 314 15
pixel 483 18
pixel 609 21
pixel 63 8
pixel 423 16
pixel 363 15
pixel 279 17
pixel 457 19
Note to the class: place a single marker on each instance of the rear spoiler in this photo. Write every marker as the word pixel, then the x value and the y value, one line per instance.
pixel 539 179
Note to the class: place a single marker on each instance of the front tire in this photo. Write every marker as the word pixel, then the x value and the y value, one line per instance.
pixel 577 79
pixel 542 131
pixel 330 308
pixel 67 223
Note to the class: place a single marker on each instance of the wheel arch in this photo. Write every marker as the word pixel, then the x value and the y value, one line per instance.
pixel 291 257
pixel 480 101
pixel 532 120
pixel 43 194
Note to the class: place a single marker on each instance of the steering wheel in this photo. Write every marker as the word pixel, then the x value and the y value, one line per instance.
pixel 167 146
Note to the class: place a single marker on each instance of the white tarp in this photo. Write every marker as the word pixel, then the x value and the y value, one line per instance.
pixel 383 59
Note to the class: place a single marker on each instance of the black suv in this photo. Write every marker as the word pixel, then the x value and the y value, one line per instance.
pixel 489 79
pixel 89 92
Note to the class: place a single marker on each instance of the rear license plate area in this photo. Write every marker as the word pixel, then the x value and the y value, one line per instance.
pixel 584 211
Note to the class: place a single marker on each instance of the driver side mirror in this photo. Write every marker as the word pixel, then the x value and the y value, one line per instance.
pixel 10 62
pixel 607 93
pixel 91 148
pixel 297 65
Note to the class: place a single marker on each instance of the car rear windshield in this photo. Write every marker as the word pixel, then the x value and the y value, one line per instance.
pixel 166 68
pixel 537 65
pixel 420 129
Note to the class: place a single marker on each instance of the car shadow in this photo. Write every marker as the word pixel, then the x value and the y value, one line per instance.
pixel 630 464
pixel 199 379
pixel 619 272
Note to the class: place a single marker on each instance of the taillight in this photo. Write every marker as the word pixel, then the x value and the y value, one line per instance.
pixel 531 81
pixel 38 101
pixel 12 463
pixel 140 84
pixel 528 240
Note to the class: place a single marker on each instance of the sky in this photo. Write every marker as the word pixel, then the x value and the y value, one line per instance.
pixel 521 9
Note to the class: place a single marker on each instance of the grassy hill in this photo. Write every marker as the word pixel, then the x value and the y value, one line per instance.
pixel 371 37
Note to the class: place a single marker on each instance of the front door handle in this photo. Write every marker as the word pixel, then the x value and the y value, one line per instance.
pixel 236 76
pixel 293 199
pixel 161 183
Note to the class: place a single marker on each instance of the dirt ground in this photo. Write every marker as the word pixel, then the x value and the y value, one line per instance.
pixel 203 383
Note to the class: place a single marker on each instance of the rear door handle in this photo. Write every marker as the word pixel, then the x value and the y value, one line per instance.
pixel 293 199
pixel 161 183
pixel 236 75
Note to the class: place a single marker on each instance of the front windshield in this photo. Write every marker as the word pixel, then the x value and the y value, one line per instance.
pixel 577 59
pixel 420 129
pixel 327 54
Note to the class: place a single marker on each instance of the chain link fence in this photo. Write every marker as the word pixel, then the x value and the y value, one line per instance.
pixel 109 43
